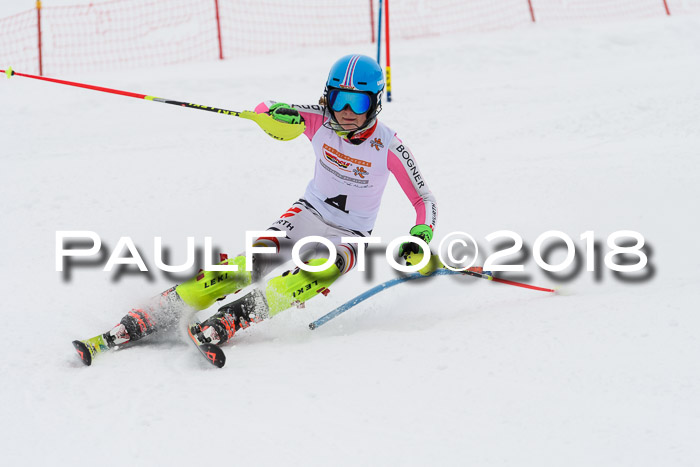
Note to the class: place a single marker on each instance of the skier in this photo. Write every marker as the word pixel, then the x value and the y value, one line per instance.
pixel 355 153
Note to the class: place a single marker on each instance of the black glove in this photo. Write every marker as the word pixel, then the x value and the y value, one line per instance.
pixel 422 231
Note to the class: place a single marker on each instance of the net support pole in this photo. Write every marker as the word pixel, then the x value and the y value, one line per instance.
pixel 218 29
pixel 532 10
pixel 38 35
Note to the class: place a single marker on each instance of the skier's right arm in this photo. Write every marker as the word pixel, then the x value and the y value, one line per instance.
pixel 312 114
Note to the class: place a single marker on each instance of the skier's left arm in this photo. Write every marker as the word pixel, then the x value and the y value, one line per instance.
pixel 402 164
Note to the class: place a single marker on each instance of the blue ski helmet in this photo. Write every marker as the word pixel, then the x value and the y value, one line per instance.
pixel 361 76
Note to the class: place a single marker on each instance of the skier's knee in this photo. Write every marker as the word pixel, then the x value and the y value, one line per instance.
pixel 298 286
pixel 207 287
pixel 346 259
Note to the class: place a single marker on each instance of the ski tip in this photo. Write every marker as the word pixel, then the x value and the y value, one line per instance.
pixel 214 354
pixel 83 352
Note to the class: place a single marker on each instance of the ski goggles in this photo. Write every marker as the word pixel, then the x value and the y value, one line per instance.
pixel 359 102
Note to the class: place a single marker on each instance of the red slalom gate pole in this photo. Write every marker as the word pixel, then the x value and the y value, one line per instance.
pixel 520 284
pixel 11 72
pixel 371 18
pixel 276 129
pixel 479 272
pixel 668 12
pixel 474 272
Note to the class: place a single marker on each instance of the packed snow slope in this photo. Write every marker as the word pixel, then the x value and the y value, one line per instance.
pixel 574 129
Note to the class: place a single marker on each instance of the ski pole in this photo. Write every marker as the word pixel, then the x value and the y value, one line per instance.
pixel 372 292
pixel 278 130
pixel 474 272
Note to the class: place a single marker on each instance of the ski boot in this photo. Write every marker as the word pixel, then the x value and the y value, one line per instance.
pixel 135 325
pixel 232 317
pixel 293 287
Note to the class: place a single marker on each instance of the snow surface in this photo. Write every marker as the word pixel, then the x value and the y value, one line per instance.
pixel 541 128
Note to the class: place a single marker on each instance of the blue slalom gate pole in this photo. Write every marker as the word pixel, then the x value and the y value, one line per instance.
pixel 379 34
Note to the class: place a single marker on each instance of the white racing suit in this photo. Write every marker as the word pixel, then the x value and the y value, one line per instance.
pixel 342 199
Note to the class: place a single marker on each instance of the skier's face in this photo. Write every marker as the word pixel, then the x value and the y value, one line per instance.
pixel 349 120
